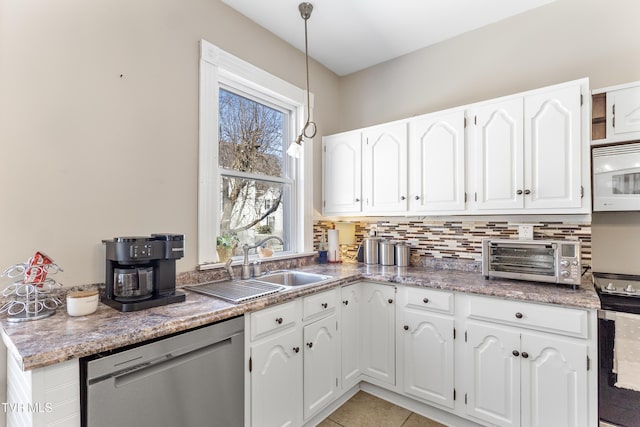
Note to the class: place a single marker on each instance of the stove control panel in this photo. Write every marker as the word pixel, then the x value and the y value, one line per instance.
pixel 618 286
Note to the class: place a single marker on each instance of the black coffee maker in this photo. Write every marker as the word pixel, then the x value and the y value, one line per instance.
pixel 141 271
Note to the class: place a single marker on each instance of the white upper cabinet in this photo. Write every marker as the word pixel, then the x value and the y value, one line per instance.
pixel 342 173
pixel 526 153
pixel 553 149
pixel 437 165
pixel 385 169
pixel 497 151
pixel 530 153
pixel 623 114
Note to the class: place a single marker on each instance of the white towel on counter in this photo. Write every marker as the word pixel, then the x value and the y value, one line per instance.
pixel 626 348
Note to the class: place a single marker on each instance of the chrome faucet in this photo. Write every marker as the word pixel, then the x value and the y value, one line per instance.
pixel 227 266
pixel 246 272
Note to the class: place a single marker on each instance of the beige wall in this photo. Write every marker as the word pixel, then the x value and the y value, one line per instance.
pixel 87 154
pixel 562 41
pixel 616 242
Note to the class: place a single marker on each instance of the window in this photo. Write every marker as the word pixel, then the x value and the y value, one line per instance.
pixel 248 187
pixel 256 187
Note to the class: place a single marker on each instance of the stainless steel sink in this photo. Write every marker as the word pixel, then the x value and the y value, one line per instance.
pixel 292 278
pixel 238 291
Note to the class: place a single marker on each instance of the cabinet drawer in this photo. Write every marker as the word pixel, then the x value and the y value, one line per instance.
pixel 276 318
pixel 429 299
pixel 554 319
pixel 319 305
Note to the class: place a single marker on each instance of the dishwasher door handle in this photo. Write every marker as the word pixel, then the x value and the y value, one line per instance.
pixel 164 364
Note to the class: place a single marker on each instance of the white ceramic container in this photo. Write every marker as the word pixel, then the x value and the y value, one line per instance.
pixel 81 303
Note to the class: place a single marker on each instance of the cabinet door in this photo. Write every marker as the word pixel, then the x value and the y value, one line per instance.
pixel 497 152
pixel 428 357
pixel 378 332
pixel 276 380
pixel 437 168
pixel 321 364
pixel 493 379
pixel 385 168
pixel 623 114
pixel 342 173
pixel 350 335
pixel 552 149
pixel 554 382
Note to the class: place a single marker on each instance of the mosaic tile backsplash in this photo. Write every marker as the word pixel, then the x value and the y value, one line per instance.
pixel 456 240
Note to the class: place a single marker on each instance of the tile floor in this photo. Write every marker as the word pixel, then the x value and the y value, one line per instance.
pixel 365 410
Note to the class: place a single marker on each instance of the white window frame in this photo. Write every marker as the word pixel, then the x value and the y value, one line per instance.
pixel 219 67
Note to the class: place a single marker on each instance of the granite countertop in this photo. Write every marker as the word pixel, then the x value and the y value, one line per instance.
pixel 61 337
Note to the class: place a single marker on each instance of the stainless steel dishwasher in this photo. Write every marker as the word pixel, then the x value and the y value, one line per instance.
pixel 192 379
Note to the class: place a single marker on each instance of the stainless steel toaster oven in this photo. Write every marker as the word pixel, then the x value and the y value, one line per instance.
pixel 551 261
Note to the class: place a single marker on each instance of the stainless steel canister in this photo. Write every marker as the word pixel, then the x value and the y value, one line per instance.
pixel 403 254
pixel 370 245
pixel 387 249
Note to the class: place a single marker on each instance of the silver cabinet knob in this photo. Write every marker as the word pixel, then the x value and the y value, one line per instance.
pixel 519 192
pixel 527 191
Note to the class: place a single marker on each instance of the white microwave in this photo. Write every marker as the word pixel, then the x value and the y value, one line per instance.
pixel 616 177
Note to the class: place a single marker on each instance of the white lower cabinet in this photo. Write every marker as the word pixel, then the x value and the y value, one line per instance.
pixel 47 396
pixel 276 369
pixel 479 360
pixel 294 364
pixel 516 377
pixel 427 343
pixel 321 364
pixel 553 381
pixel 493 376
pixel 350 335
pixel 378 316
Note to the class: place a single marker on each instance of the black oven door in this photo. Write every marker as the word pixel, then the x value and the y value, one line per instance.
pixel 617 406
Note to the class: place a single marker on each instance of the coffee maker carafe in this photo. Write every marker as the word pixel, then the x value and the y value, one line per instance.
pixel 141 271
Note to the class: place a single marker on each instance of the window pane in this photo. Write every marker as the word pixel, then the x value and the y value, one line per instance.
pixel 252 210
pixel 250 135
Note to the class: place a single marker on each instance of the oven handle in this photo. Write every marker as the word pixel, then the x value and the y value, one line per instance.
pixel 527 245
pixel 607 315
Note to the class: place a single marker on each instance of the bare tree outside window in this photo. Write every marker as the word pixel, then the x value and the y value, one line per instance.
pixel 254 185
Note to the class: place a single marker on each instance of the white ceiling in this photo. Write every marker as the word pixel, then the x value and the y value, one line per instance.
pixel 350 35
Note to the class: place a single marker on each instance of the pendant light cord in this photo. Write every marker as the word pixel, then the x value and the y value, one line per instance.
pixel 309 124
pixel 306 55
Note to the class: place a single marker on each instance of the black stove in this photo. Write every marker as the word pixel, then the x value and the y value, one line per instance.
pixel 618 292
